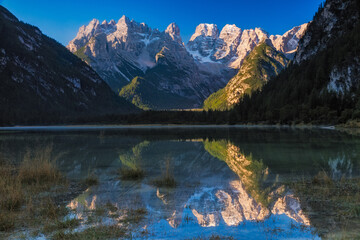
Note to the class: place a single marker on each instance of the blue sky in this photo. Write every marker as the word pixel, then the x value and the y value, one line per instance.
pixel 61 19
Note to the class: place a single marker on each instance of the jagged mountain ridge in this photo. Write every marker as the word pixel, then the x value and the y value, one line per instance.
pixel 322 84
pixel 231 45
pixel 124 50
pixel 263 63
pixel 41 79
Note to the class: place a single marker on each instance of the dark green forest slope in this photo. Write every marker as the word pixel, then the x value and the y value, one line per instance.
pixel 42 81
pixel 321 85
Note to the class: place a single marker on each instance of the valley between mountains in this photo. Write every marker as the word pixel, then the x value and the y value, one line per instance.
pixel 112 71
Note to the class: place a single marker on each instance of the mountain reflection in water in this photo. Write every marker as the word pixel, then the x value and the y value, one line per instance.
pixel 229 182
pixel 210 192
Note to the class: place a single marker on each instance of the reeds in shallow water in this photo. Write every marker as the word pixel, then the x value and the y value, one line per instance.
pixel 131 174
pixel 39 167
pixel 167 179
pixel 21 185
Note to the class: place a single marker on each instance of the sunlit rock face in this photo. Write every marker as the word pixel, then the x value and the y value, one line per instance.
pixel 124 49
pixel 247 199
pixel 121 51
pixel 228 201
pixel 203 40
pixel 240 206
pixel 233 44
pixel 206 220
pixel 174 31
pixel 262 64
pixel 289 41
pixel 235 204
pixel 290 206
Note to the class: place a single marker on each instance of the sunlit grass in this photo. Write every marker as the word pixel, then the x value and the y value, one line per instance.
pixel 39 167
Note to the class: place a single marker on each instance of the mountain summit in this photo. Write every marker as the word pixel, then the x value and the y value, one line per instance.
pixel 128 55
pixel 233 44
pixel 127 50
pixel 174 31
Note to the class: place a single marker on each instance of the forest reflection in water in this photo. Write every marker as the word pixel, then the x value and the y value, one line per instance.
pixel 229 182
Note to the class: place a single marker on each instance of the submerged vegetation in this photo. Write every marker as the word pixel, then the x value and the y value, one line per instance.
pixel 91 179
pixel 131 161
pixel 96 232
pixel 167 179
pixel 131 174
pixel 25 199
pixel 33 195
pixel 333 206
pixel 252 172
pixel 39 167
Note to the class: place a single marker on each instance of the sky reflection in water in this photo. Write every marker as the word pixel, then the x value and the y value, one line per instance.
pixel 230 182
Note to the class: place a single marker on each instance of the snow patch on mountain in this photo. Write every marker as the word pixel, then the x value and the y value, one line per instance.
pixel 233 44
pixel 342 79
pixel 198 57
pixel 117 70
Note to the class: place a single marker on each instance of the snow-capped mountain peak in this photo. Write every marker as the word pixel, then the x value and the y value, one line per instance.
pixel 205 30
pixel 121 51
pixel 233 44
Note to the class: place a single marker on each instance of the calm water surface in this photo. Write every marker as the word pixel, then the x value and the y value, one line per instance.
pixel 230 181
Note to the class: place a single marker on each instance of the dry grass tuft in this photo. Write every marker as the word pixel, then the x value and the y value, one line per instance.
pixel 331 205
pixel 91 180
pixel 11 195
pixel 98 232
pixel 167 179
pixel 23 187
pixel 39 167
pixel 49 210
pixel 134 216
pixel 62 225
pixel 322 178
pixel 131 174
pixel 7 222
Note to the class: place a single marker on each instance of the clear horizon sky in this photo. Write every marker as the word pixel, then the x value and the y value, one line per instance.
pixel 61 20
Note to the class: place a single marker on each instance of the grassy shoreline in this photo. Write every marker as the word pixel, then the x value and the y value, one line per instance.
pixel 333 206
pixel 33 193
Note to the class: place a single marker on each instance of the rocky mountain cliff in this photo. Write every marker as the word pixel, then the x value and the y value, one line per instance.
pixel 333 23
pixel 322 84
pixel 231 45
pixel 41 79
pixel 120 51
pixel 263 63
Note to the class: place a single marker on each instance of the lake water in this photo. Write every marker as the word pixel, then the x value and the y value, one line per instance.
pixel 230 181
